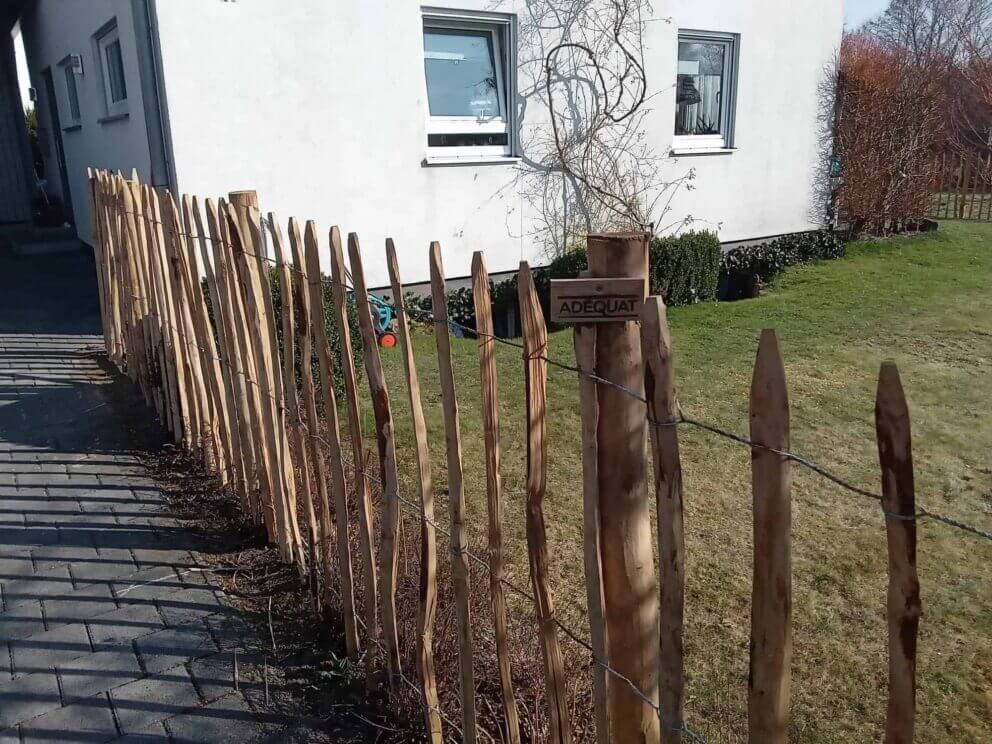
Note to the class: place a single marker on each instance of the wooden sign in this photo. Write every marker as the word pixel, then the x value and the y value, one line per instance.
pixel 596 300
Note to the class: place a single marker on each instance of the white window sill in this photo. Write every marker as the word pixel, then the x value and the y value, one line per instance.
pixel 437 160
pixel 681 152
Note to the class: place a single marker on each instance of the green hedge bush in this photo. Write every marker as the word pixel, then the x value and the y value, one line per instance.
pixel 746 267
pixel 331 324
pixel 685 269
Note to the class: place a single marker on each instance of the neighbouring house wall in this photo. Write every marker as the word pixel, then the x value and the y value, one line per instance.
pixel 53 29
pixel 15 153
pixel 320 105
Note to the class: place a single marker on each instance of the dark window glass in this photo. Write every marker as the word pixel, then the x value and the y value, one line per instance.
pixel 72 93
pixel 700 89
pixel 115 71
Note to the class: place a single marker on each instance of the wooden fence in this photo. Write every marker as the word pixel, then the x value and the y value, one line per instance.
pixel 229 395
pixel 963 190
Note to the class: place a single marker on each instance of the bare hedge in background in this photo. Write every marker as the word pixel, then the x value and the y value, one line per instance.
pixel 889 123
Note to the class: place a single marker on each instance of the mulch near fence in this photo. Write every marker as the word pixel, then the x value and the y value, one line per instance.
pixel 230 397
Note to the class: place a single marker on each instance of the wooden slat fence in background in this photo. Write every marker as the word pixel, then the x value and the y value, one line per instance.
pixel 187 313
pixel 963 187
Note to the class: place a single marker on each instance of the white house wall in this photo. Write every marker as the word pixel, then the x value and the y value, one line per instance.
pixel 54 29
pixel 320 106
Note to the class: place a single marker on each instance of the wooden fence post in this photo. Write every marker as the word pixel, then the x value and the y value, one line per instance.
pixel 456 495
pixel 386 442
pixel 536 372
pixel 899 508
pixel 663 413
pixel 769 682
pixel 333 425
pixel 427 609
pixel 363 498
pixel 629 584
pixel 494 495
pixel 584 340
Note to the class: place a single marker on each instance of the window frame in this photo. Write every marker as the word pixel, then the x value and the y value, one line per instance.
pixel 71 90
pixel 502 34
pixel 104 39
pixel 728 103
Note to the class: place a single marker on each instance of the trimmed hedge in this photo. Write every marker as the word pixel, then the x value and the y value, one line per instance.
pixel 685 269
pixel 743 269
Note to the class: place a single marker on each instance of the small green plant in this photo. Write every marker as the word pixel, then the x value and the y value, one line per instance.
pixel 746 267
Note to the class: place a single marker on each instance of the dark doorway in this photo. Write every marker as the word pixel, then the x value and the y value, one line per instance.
pixel 53 116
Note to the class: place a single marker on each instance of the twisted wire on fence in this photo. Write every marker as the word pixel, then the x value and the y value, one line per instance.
pixel 682 419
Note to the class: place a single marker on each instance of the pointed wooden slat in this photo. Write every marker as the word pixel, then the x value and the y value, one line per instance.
pixel 294 421
pixel 255 332
pixel 255 249
pixel 338 484
pixel 389 549
pixel 769 682
pixel 228 316
pixel 363 498
pixel 899 508
pixel 494 496
pixel 427 608
pixel 168 326
pixel 228 464
pixel 663 411
pixel 536 370
pixel 456 495
pixel 321 499
pixel 584 340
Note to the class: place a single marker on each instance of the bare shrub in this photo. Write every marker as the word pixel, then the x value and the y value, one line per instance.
pixel 889 127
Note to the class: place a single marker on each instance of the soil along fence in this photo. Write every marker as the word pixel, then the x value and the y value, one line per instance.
pixel 212 366
pixel 963 190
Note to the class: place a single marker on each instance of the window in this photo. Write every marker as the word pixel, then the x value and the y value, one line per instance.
pixel 71 91
pixel 468 69
pixel 705 93
pixel 112 66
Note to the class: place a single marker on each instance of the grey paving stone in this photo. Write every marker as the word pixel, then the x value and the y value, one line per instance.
pixel 86 676
pixel 108 565
pixel 88 721
pixel 146 583
pixel 27 588
pixel 28 697
pixel 154 734
pixel 226 720
pixel 89 600
pixel 124 625
pixel 214 675
pixel 163 555
pixel 167 648
pixel 189 605
pixel 44 650
pixel 22 621
pixel 155 698
pixel 56 555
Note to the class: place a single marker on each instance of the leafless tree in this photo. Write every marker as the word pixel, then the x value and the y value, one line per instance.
pixel 583 102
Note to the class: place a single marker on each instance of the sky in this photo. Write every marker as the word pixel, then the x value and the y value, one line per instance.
pixel 859 11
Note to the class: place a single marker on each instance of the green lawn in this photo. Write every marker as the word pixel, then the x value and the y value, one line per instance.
pixel 925 302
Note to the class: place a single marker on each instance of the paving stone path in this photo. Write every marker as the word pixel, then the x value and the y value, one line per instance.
pixel 109 631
